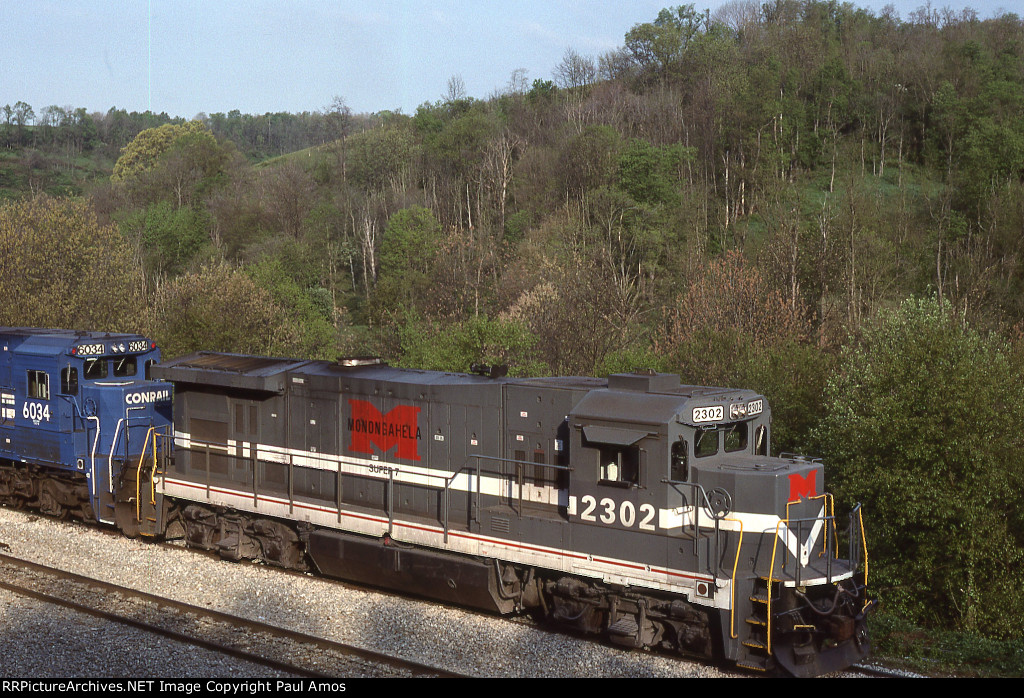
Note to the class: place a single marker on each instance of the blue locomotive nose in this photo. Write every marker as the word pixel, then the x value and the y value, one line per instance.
pixel 120 415
pixel 119 418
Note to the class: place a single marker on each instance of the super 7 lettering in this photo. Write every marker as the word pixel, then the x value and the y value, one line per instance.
pixel 398 427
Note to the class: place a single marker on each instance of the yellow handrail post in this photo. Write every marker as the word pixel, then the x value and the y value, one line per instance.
pixel 735 566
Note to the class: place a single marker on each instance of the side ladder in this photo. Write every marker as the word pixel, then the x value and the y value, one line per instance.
pixel 138 508
pixel 756 652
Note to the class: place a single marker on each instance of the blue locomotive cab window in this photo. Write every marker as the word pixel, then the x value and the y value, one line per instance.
pixel 69 381
pixel 736 437
pixel 125 366
pixel 39 385
pixel 95 369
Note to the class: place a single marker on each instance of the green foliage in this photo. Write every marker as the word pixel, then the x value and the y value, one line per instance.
pixel 591 158
pixel 659 46
pixel 792 375
pixel 145 150
pixel 380 156
pixel 181 163
pixel 650 174
pixel 541 92
pixel 459 147
pixel 311 313
pixel 903 645
pixel 923 426
pixel 59 267
pixel 407 253
pixel 516 226
pixel 170 238
pixel 630 359
pixel 410 240
pixel 221 309
pixel 443 347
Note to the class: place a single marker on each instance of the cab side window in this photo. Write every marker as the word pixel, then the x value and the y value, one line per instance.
pixel 39 385
pixel 69 381
pixel 680 469
pixel 761 441
pixel 619 465
pixel 705 443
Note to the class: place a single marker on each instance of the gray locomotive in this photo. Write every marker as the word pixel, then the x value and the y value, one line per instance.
pixel 634 507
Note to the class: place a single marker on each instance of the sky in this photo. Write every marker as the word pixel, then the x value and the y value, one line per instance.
pixel 187 57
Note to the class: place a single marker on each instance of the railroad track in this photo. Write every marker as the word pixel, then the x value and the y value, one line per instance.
pixel 307 656
pixel 475 644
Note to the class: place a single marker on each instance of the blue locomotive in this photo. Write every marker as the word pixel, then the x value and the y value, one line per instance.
pixel 77 411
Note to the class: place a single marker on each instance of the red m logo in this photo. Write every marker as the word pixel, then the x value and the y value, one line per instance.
pixel 800 486
pixel 398 427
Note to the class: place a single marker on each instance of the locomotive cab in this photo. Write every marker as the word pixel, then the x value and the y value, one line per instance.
pixel 77 413
pixel 750 539
pixel 794 582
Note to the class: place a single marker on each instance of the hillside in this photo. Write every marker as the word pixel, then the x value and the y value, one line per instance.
pixel 800 197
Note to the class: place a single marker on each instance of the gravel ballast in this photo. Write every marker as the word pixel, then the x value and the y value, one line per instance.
pixel 39 641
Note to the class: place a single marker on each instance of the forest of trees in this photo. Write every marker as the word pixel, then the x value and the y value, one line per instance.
pixel 798 196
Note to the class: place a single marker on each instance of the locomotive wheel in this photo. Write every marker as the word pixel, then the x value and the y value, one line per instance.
pixel 48 502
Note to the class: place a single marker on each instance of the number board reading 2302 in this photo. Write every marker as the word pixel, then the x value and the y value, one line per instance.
pixel 713 413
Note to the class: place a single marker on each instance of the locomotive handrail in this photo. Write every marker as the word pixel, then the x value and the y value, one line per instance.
pixel 92 455
pixel 735 566
pixel 113 447
pixel 829 521
pixel 859 513
pixel 518 473
pixel 700 500
pixel 110 456
pixel 152 432
pixel 194 445
pixel 200 446
pixel 830 511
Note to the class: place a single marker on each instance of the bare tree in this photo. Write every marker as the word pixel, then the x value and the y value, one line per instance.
pixel 289 196
pixel 456 89
pixel 518 82
pixel 575 71
pixel 338 117
pixel 615 65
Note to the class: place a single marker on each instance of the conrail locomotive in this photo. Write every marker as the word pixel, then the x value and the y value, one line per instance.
pixel 633 507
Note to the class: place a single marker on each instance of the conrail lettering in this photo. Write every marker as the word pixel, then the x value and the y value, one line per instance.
pixel 800 486
pixel 385 431
pixel 150 396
